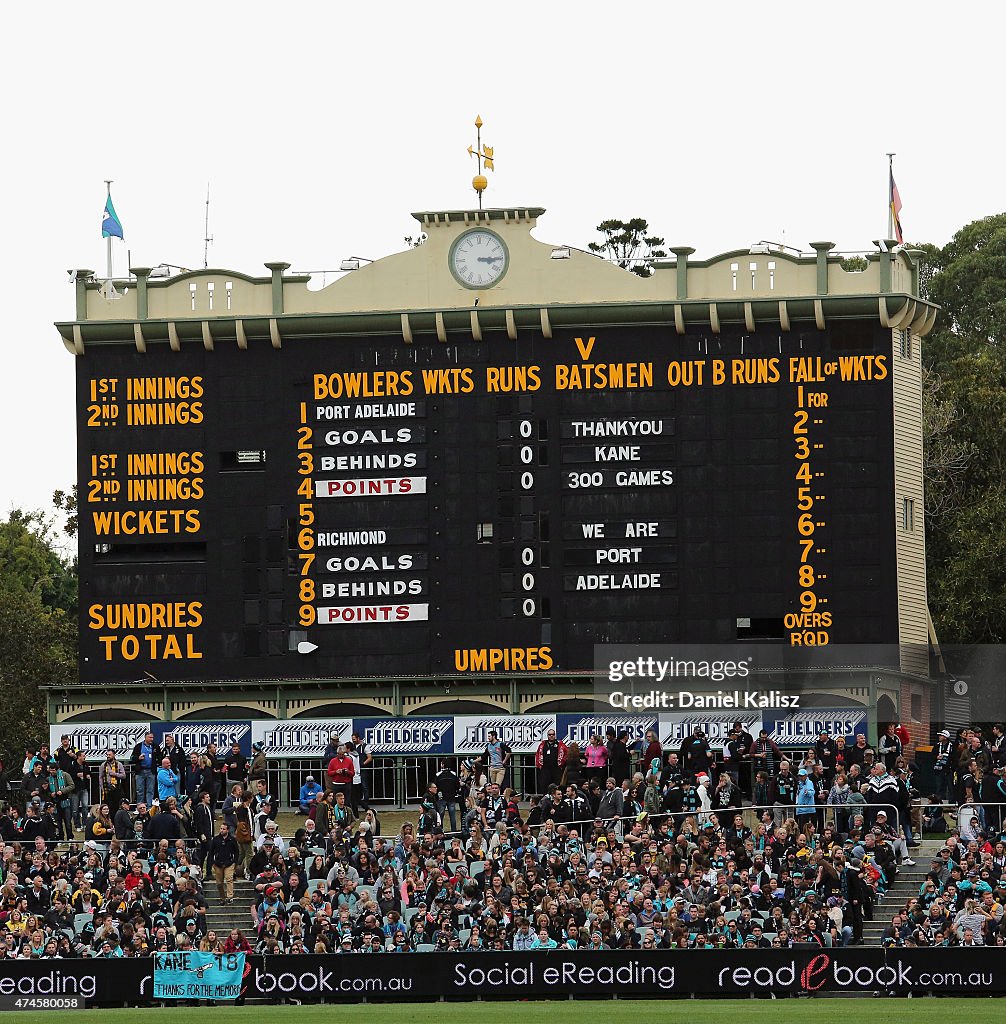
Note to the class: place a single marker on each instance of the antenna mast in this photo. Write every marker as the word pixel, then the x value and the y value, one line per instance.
pixel 207 237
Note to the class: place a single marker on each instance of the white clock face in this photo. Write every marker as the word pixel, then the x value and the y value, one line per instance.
pixel 478 259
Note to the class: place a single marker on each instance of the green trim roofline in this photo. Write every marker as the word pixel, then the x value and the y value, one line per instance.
pixel 782 312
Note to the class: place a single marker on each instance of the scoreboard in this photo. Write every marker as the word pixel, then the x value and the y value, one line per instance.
pixel 429 509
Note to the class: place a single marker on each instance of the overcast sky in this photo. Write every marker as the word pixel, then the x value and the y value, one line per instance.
pixel 321 126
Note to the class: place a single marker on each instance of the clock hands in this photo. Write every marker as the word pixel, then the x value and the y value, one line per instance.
pixel 478 258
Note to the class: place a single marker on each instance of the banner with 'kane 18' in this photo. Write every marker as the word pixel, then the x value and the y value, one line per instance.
pixel 191 974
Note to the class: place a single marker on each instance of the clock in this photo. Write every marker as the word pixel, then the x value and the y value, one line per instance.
pixel 478 258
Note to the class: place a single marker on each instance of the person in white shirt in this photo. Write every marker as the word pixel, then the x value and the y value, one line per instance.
pixel 272 834
pixel 969 821
pixel 704 790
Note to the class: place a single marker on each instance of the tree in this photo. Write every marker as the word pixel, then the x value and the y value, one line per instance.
pixel 970 283
pixel 38 646
pixel 627 244
pixel 964 413
pixel 946 453
pixel 38 628
pixel 66 502
pixel 30 560
pixel 930 259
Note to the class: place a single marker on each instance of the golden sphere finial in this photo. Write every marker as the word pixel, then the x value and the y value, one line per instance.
pixel 484 156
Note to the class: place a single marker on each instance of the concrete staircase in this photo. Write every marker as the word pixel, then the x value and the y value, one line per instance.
pixel 222 917
pixel 908 883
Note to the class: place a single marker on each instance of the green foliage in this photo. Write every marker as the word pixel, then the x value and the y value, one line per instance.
pixel 971 282
pixel 854 264
pixel 967 558
pixel 38 627
pixel 627 244
pixel 30 560
pixel 930 259
pixel 66 502
pixel 965 422
pixel 947 454
pixel 37 647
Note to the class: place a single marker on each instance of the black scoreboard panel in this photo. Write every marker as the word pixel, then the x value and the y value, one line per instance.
pixel 467 507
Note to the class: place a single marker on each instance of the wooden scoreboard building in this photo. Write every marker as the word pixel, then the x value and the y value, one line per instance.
pixel 437 485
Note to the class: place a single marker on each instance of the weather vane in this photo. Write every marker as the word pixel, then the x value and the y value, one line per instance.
pixel 484 155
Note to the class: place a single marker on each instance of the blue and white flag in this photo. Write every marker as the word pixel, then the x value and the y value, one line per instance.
pixel 190 974
pixel 111 226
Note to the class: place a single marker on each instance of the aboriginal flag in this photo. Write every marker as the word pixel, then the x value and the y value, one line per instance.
pixel 896 210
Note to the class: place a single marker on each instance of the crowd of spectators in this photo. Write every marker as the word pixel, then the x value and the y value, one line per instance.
pixel 669 855
pixel 962 898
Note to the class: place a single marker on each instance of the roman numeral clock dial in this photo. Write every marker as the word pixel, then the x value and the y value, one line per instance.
pixel 478 259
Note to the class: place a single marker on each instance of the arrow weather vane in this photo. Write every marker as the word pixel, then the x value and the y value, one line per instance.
pixel 484 155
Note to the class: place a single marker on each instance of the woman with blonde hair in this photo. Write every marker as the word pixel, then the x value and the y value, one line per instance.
pixel 370 818
pixel 475 848
pixel 36 941
pixel 101 828
pixel 271 935
pixel 9 894
pixel 211 943
pixel 15 922
pixel 366 905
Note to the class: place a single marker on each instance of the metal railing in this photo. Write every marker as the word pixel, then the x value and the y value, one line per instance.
pixel 398 781
pixel 780 812
pixel 990 814
pixel 102 846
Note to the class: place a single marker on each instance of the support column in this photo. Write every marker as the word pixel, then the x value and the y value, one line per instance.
pixel 682 252
pixel 517 769
pixel 872 737
pixel 822 249
pixel 399 783
pixel 886 259
pixel 277 285
pixel 81 277
pixel 915 257
pixel 141 274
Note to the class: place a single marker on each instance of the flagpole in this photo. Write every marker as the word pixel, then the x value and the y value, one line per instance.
pixel 108 241
pixel 890 194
